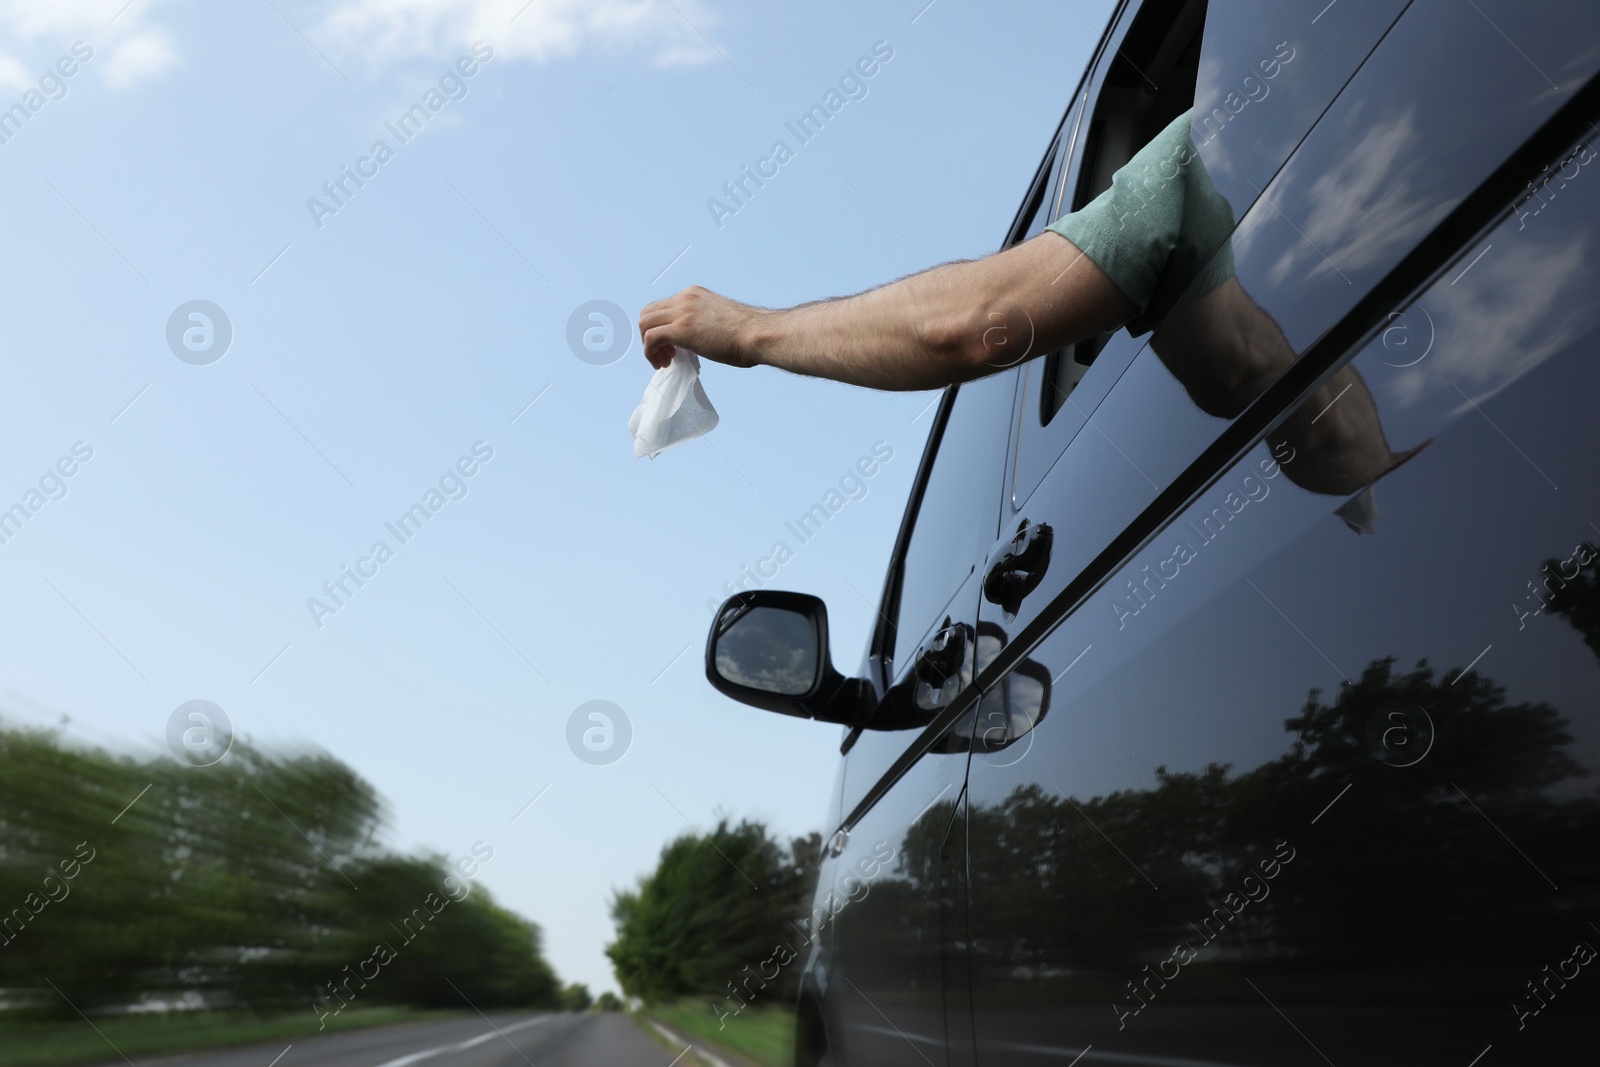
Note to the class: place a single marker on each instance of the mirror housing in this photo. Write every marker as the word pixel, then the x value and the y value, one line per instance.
pixel 824 694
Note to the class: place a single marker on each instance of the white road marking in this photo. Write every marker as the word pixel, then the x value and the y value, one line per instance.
pixel 715 1061
pixel 416 1057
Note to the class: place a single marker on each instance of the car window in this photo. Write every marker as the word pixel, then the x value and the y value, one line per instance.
pixel 958 514
pixel 1259 74
pixel 1311 271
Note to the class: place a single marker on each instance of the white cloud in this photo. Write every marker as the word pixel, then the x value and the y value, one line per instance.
pixel 136 51
pixel 381 32
pixel 144 55
pixel 139 43
pixel 13 75
pixel 30 20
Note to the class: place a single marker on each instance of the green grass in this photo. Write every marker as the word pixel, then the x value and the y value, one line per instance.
pixel 761 1035
pixel 70 1042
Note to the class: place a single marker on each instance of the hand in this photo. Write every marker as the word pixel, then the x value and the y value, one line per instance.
pixel 701 321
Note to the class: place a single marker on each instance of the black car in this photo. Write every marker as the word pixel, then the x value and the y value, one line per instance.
pixel 1234 697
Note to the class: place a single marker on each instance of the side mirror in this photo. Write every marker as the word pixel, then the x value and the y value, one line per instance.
pixel 770 650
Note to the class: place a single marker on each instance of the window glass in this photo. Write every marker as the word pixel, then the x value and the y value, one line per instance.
pixel 1303 257
pixel 1148 80
pixel 1268 70
pixel 1259 76
pixel 959 513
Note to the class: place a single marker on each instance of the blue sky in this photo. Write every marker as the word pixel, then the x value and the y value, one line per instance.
pixel 371 352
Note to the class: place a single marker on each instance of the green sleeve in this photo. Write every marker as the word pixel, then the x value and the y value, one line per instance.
pixel 1160 227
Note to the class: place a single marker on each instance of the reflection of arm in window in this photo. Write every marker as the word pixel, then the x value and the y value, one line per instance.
pixel 1162 233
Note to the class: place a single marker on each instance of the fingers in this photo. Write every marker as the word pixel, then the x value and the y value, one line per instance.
pixel 684 319
pixel 658 346
pixel 655 321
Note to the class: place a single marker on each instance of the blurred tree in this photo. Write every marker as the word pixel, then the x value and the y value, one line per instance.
pixel 713 906
pixel 575 997
pixel 608 1001
pixel 233 885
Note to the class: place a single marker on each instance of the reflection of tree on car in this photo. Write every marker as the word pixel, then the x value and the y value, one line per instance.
pixel 1575 596
pixel 1079 915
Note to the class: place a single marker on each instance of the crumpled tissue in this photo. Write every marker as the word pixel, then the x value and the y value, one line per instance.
pixel 675 408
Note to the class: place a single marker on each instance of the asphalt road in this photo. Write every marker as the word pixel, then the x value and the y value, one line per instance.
pixel 604 1040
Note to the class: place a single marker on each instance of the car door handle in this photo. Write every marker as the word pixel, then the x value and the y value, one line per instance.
pixel 1019 566
pixel 943 657
pixel 943 667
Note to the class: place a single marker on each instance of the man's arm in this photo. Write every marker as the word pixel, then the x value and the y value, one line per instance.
pixel 949 324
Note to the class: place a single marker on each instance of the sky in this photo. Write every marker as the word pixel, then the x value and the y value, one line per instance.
pixel 357 349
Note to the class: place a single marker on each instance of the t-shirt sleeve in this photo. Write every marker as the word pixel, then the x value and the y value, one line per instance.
pixel 1159 227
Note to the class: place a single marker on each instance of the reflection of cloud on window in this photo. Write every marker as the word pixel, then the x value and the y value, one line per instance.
pixel 1376 200
pixel 1254 222
pixel 1526 300
pixel 1209 95
pixel 1583 62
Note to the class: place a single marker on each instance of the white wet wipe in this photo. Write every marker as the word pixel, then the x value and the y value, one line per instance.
pixel 675 408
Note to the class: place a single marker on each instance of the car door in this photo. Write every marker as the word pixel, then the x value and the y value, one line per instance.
pixel 1289 761
pixel 896 983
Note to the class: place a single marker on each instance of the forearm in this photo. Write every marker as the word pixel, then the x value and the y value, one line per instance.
pixel 921 332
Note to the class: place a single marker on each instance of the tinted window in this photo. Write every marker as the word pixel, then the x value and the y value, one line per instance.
pixel 1318 781
pixel 1258 78
pixel 959 512
pixel 1268 70
pixel 1147 80
pixel 1305 256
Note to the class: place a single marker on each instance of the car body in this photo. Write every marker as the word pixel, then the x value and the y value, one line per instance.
pixel 1242 727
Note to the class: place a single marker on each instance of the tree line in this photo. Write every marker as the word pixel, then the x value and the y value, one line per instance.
pixel 256 883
